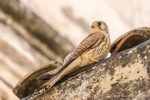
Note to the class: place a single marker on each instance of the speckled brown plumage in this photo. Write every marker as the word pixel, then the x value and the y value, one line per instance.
pixel 92 49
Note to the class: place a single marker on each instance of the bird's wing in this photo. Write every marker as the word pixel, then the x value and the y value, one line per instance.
pixel 88 42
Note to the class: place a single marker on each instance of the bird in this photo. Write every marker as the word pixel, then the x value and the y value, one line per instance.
pixel 92 49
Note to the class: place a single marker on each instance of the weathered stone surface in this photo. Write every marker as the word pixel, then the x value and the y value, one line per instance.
pixel 123 76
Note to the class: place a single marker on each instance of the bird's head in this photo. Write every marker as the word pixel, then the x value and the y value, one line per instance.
pixel 99 26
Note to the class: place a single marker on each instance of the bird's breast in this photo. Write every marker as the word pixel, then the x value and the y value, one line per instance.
pixel 100 49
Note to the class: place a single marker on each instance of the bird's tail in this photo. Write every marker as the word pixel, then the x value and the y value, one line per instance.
pixel 70 68
pixel 51 82
pixel 50 74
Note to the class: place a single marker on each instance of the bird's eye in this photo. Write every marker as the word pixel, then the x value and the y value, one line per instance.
pixel 99 23
pixel 92 26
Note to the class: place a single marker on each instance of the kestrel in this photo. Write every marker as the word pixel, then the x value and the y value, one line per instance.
pixel 92 49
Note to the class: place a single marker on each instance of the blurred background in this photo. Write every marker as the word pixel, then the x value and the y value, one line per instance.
pixel 33 32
